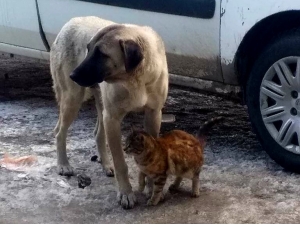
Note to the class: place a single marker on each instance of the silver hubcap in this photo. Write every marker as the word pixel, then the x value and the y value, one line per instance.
pixel 280 102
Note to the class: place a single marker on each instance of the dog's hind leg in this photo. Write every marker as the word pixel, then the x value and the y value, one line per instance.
pixel 96 126
pixel 152 121
pixel 99 133
pixel 57 90
pixel 69 107
pixel 56 129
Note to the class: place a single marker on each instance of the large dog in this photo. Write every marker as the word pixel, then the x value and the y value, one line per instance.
pixel 124 67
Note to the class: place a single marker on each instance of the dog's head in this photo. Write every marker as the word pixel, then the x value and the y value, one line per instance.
pixel 111 54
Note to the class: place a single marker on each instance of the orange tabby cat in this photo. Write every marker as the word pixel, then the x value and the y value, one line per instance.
pixel 174 153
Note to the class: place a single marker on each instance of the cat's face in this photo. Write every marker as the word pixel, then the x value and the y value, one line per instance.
pixel 135 143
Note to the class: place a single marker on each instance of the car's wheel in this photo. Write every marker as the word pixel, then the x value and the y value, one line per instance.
pixel 273 99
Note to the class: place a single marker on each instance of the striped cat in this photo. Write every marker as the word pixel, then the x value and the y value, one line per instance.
pixel 174 153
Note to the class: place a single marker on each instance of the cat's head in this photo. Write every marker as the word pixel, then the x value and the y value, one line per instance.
pixel 136 142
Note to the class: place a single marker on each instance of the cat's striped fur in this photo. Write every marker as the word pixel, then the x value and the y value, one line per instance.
pixel 174 153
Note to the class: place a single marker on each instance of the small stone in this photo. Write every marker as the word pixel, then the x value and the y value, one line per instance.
pixel 63 183
pixel 83 180
pixel 94 158
pixel 22 175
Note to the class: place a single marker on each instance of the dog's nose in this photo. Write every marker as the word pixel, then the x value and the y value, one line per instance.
pixel 82 81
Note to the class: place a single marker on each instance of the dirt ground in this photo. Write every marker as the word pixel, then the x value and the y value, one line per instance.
pixel 239 182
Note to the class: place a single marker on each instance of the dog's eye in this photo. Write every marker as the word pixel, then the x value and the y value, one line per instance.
pixel 104 55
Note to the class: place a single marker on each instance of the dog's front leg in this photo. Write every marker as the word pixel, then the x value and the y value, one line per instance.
pixel 112 126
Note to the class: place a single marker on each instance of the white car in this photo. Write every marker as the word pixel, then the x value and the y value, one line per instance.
pixel 218 45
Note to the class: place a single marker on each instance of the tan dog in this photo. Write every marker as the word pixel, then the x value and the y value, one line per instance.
pixel 132 63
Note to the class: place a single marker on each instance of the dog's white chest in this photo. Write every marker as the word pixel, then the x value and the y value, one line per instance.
pixel 138 100
pixel 125 98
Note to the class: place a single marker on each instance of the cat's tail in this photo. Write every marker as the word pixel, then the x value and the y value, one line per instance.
pixel 204 129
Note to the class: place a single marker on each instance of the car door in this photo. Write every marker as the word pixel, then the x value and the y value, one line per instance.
pixel 19 25
pixel 190 29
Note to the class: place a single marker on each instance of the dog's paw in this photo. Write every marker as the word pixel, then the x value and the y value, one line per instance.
pixel 195 194
pixel 65 170
pixel 127 201
pixel 109 171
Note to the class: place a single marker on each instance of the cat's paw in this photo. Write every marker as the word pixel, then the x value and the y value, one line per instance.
pixel 162 197
pixel 127 201
pixel 148 193
pixel 152 202
pixel 173 188
pixel 141 188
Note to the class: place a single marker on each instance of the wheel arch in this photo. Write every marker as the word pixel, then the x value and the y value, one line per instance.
pixel 257 39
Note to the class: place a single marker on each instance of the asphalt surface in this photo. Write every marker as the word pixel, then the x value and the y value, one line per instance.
pixel 239 182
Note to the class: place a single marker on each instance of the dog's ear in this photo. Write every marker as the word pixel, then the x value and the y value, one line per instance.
pixel 132 54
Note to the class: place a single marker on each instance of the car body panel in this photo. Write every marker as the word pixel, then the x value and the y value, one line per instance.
pixel 199 44
pixel 237 18
pixel 192 43
pixel 29 52
pixel 19 24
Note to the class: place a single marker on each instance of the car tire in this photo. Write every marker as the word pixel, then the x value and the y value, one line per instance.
pixel 273 99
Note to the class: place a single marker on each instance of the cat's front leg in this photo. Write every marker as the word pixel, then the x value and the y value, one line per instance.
pixel 142 182
pixel 176 184
pixel 150 185
pixel 157 194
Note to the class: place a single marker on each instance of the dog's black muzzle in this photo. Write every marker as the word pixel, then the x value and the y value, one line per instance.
pixel 90 71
